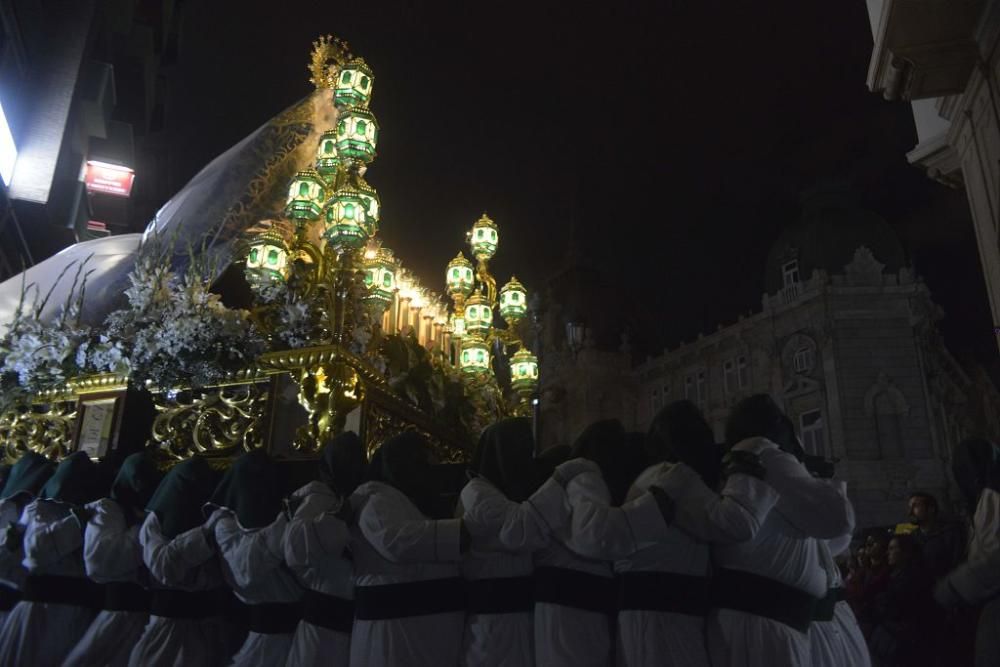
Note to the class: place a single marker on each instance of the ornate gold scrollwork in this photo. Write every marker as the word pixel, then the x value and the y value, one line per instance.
pixel 327 392
pixel 216 422
pixel 47 429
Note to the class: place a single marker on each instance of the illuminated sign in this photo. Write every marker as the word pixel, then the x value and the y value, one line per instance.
pixel 111 179
pixel 8 151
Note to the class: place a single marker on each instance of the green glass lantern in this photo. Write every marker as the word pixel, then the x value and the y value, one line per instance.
pixel 380 276
pixel 352 212
pixel 475 356
pixel 460 278
pixel 305 196
pixel 267 258
pixel 524 372
pixel 357 135
pixel 513 300
pixel 327 159
pixel 484 238
pixel 478 315
pixel 354 84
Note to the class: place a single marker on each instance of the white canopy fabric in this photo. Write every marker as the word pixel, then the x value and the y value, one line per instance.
pixel 235 190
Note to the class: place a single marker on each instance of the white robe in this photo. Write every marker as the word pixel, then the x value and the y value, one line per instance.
pixel 315 545
pixel 648 638
pixel 252 562
pixel 42 633
pixel 111 553
pixel 497 640
pixel 12 571
pixel 838 641
pixel 977 580
pixel 394 543
pixel 565 635
pixel 186 563
pixel 784 550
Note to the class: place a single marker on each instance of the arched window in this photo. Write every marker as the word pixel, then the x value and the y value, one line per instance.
pixel 887 427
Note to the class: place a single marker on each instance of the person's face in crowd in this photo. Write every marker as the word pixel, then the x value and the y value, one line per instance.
pixel 894 554
pixel 921 513
pixel 876 554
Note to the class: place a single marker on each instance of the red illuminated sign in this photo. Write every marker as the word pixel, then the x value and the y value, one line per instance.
pixel 111 179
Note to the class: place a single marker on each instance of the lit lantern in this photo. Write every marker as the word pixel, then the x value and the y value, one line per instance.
pixel 484 238
pixel 305 196
pixel 326 155
pixel 524 372
pixel 267 258
pixel 460 277
pixel 513 300
pixel 458 329
pixel 475 356
pixel 352 212
pixel 357 134
pixel 354 84
pixel 478 315
pixel 380 277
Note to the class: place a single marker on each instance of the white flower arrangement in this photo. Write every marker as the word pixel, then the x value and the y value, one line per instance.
pixel 38 356
pixel 175 331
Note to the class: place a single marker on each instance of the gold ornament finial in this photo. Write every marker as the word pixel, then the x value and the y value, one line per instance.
pixel 328 54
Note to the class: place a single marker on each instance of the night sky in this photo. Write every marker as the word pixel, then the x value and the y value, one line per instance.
pixel 671 139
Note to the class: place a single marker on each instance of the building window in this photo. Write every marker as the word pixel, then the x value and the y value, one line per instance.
pixel 790 273
pixel 811 428
pixel 702 388
pixel 887 427
pixel 665 391
pixel 729 376
pixel 804 359
pixel 689 388
pixel 743 371
pixel 655 401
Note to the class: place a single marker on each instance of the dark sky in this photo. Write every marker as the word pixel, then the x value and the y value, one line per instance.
pixel 673 138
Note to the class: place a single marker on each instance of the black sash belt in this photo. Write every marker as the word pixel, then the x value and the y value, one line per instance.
pixel 825 607
pixel 419 598
pixel 75 591
pixel 170 603
pixel 9 596
pixel 665 591
pixel 123 596
pixel 572 588
pixel 507 595
pixel 328 611
pixel 274 618
pixel 761 596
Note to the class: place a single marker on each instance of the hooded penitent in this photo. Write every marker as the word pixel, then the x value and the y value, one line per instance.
pixel 28 475
pixel 679 433
pixel 603 442
pixel 342 463
pixel 403 462
pixel 251 488
pixel 135 482
pixel 75 481
pixel 505 458
pixel 976 466
pixel 758 416
pixel 179 498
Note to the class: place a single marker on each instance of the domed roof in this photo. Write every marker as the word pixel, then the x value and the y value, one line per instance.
pixel 832 226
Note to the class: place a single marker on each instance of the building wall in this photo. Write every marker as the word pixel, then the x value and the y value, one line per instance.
pixel 863 351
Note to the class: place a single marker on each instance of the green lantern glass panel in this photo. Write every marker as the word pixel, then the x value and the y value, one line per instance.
pixel 326 154
pixel 475 357
pixel 305 196
pixel 254 255
pixel 265 263
pixel 357 135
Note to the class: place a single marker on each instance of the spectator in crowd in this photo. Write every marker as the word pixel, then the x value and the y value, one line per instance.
pixel 941 543
pixel 897 610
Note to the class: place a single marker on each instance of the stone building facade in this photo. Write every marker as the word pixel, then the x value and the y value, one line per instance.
pixel 846 342
pixel 943 57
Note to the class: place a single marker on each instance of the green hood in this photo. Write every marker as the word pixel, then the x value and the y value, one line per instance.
pixel 76 481
pixel 28 475
pixel 251 488
pixel 505 457
pixel 136 481
pixel 178 499
pixel 342 463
